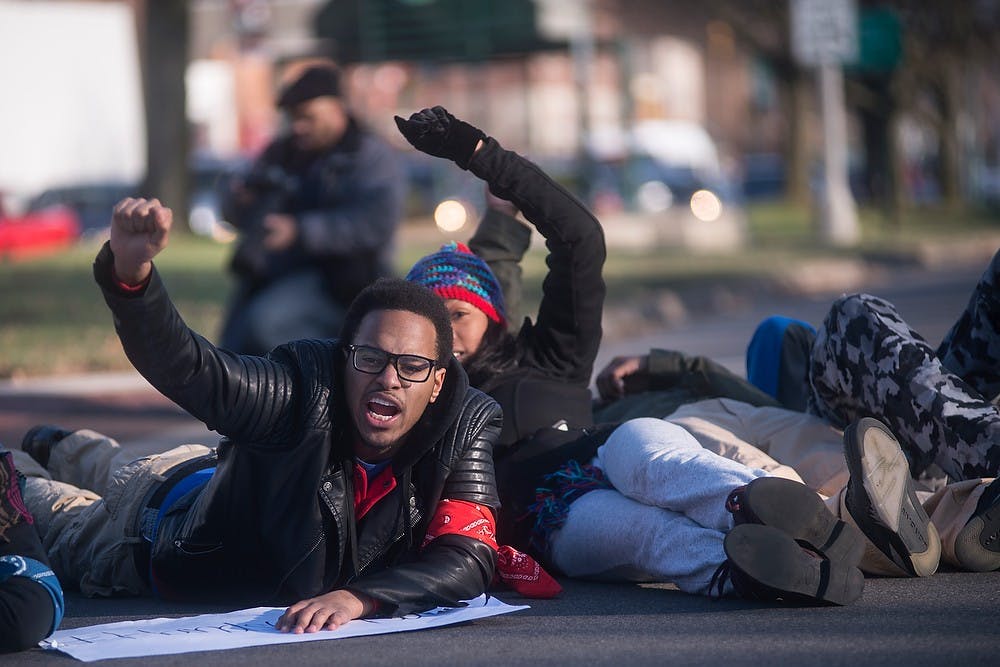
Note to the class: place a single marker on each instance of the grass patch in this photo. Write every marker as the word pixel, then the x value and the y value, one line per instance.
pixel 53 318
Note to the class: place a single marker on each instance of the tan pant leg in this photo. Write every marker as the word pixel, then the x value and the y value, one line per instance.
pixel 87 459
pixel 90 540
pixel 28 466
pixel 788 444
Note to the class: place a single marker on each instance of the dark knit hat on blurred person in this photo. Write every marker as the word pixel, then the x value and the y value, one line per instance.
pixel 316 81
pixel 455 272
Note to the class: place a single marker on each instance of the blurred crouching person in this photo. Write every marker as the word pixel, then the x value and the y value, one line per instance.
pixel 317 213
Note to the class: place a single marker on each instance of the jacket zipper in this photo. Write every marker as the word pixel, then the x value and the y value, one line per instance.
pixel 319 538
pixel 379 553
pixel 180 546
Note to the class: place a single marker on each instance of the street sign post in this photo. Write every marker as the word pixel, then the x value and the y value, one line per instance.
pixel 824 31
pixel 825 36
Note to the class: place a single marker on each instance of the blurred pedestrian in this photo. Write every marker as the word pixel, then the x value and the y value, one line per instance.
pixel 316 213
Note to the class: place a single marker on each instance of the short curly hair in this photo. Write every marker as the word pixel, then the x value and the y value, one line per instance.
pixel 399 294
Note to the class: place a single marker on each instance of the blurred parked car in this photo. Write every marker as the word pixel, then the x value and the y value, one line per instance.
pixel 656 166
pixel 663 181
pixel 763 176
pixel 92 203
pixel 37 232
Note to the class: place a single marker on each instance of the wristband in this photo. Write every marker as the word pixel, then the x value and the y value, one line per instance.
pixel 126 287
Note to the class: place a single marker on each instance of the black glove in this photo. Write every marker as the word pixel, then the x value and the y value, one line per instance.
pixel 436 132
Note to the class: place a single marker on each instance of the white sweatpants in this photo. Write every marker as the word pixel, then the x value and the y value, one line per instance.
pixel 666 518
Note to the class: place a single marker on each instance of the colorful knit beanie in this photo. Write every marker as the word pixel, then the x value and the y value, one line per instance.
pixel 455 272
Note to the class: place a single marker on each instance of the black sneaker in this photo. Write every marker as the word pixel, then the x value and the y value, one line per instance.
pixel 764 563
pixel 883 502
pixel 38 441
pixel 796 510
pixel 977 546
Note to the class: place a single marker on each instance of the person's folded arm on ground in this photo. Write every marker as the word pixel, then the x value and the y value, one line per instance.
pixel 670 369
pixel 25 614
pixel 31 597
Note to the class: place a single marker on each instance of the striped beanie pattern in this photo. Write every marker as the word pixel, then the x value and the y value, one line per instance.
pixel 455 272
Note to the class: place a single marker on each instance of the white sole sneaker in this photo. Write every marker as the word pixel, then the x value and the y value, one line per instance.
pixel 883 502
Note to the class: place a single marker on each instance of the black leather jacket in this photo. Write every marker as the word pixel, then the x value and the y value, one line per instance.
pixel 276 522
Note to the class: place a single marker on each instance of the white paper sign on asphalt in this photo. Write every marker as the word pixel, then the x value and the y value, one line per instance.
pixel 239 629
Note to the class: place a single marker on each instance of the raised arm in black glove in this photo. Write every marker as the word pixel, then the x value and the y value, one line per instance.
pixel 436 132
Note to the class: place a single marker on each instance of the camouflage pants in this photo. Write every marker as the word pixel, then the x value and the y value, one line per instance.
pixel 866 361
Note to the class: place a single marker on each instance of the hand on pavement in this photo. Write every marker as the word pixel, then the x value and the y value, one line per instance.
pixel 139 231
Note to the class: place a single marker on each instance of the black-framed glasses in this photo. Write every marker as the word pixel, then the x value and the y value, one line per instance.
pixel 409 367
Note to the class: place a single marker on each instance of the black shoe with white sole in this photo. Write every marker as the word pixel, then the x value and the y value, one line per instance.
pixel 796 510
pixel 882 500
pixel 765 563
pixel 977 546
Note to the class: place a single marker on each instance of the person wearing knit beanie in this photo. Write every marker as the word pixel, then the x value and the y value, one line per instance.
pixel 455 272
pixel 474 300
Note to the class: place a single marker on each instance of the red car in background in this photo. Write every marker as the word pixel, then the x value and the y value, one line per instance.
pixel 37 232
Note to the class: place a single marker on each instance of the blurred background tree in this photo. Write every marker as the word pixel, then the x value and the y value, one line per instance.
pixel 942 46
pixel 916 58
pixel 164 43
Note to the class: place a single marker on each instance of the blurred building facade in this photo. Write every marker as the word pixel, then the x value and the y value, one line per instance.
pixel 589 71
pixel 642 63
pixel 595 67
